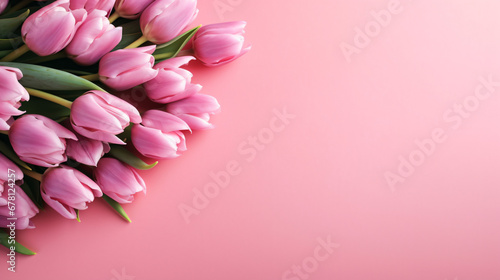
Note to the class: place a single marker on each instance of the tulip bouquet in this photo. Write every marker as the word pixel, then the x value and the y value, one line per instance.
pixel 71 126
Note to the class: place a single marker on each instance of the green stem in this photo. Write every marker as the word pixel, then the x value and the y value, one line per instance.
pixel 92 77
pixel 30 173
pixel 137 42
pixel 19 6
pixel 6 132
pixel 113 17
pixel 50 97
pixel 15 54
pixel 41 59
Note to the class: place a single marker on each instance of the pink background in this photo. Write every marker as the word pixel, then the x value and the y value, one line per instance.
pixel 323 174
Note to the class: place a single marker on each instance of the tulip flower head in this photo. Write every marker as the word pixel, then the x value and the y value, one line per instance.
pixel 118 180
pixel 16 176
pixel 131 9
pixel 220 43
pixel 101 116
pixel 3 5
pixel 12 93
pixel 172 82
pixel 92 5
pixel 195 110
pixel 39 140
pixel 25 210
pixel 65 189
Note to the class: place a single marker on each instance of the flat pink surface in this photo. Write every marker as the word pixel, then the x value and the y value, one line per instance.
pixel 415 101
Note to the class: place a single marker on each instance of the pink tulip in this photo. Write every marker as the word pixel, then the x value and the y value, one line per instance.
pixel 3 5
pixel 131 9
pixel 52 28
pixel 91 5
pixel 127 68
pixel 25 210
pixel 12 172
pixel 85 150
pixel 118 180
pixel 195 110
pixel 65 189
pixel 39 140
pixel 163 20
pixel 159 136
pixel 12 92
pixel 95 38
pixel 220 43
pixel 101 116
pixel 172 83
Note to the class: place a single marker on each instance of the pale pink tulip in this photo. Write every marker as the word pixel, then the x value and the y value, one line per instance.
pixel 91 5
pixel 172 82
pixel 95 38
pixel 131 9
pixel 127 68
pixel 11 174
pixel 101 116
pixel 3 5
pixel 25 209
pixel 159 136
pixel 163 20
pixel 118 180
pixel 12 93
pixel 39 140
pixel 195 110
pixel 220 43
pixel 85 150
pixel 52 28
pixel 65 189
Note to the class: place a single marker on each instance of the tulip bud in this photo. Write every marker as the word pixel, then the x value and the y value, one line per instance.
pixel 172 83
pixel 25 210
pixel 159 136
pixel 12 92
pixel 195 110
pixel 131 9
pixel 163 20
pixel 118 180
pixel 220 43
pixel 85 150
pixel 101 116
pixel 6 165
pixel 52 28
pixel 91 5
pixel 65 189
pixel 127 68
pixel 39 140
pixel 3 5
pixel 95 38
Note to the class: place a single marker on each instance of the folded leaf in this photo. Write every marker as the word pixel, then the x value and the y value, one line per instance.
pixel 129 158
pixel 118 208
pixel 4 240
pixel 45 78
pixel 174 46
pixel 9 25
pixel 11 44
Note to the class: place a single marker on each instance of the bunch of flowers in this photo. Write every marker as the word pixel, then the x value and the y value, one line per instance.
pixel 67 67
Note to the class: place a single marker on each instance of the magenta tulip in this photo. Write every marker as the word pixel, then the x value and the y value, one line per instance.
pixel 195 110
pixel 3 5
pixel 25 210
pixel 91 5
pixel 52 28
pixel 118 180
pixel 127 68
pixel 131 9
pixel 12 92
pixel 172 83
pixel 101 116
pixel 163 20
pixel 85 150
pixel 220 43
pixel 39 140
pixel 10 171
pixel 65 189
pixel 159 136
pixel 95 38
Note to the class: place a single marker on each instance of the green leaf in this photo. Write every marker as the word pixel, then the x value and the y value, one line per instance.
pixel 129 158
pixel 174 46
pixel 4 240
pixel 46 108
pixel 4 53
pixel 7 150
pixel 9 25
pixel 32 188
pixel 45 78
pixel 118 208
pixel 11 44
pixel 127 39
